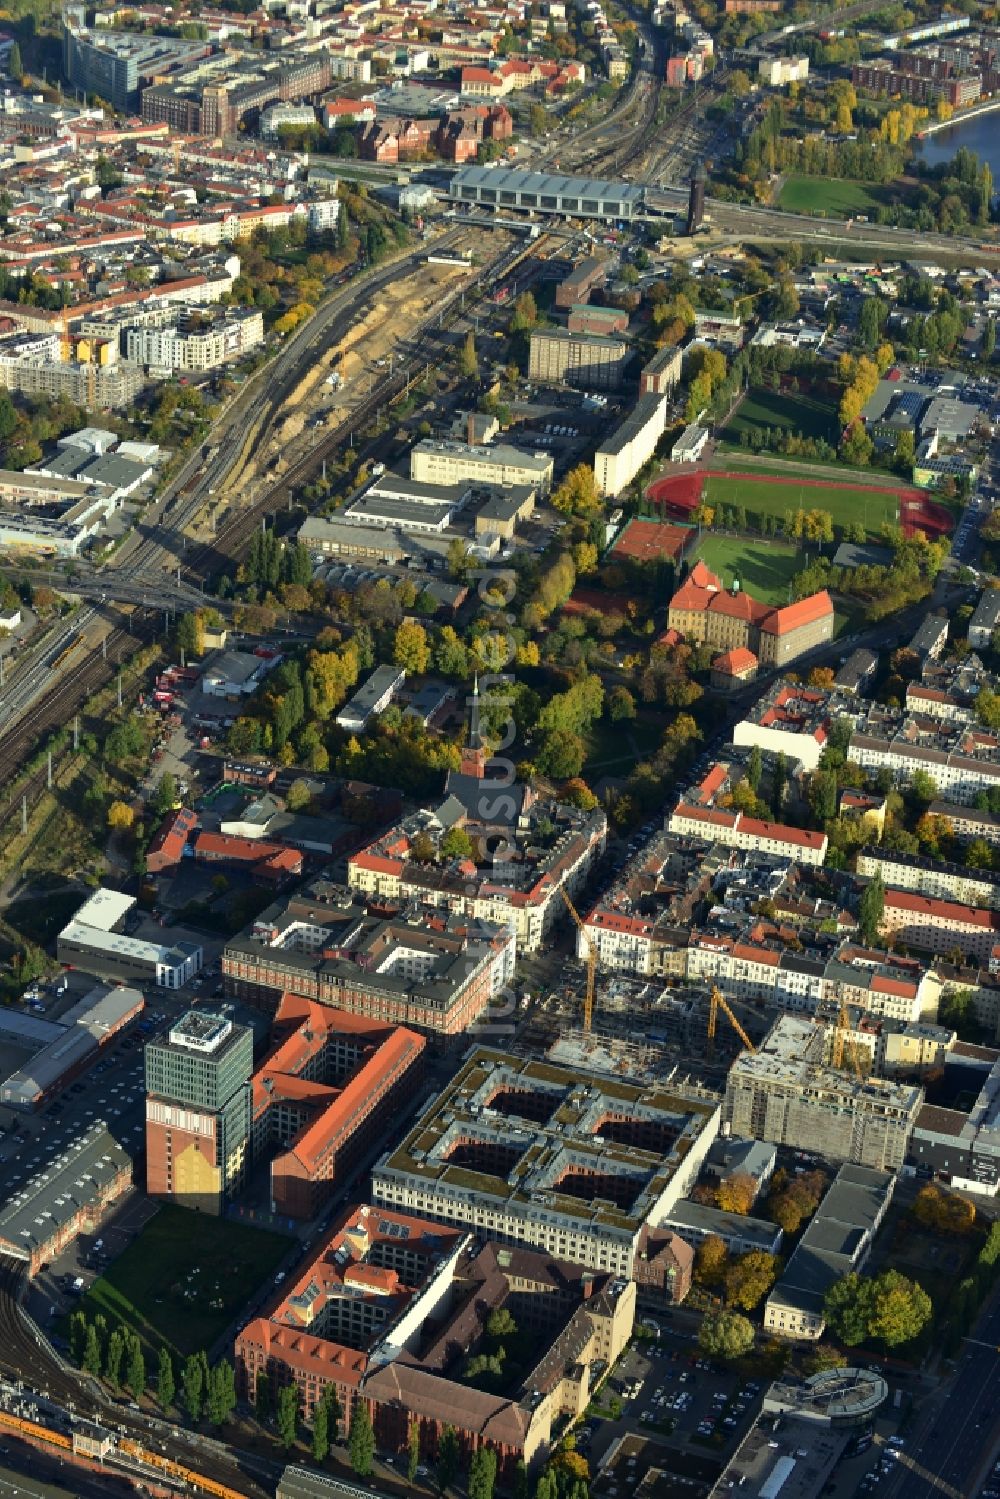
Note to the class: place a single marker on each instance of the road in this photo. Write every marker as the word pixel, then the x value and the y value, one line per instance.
pixel 947 1455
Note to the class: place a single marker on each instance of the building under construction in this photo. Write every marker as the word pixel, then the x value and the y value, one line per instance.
pixel 786 1093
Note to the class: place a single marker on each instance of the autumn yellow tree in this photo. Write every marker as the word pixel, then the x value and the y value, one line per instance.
pixel 120 816
pixel 736 1193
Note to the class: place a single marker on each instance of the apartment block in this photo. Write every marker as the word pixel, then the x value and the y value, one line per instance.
pixel 788 720
pixel 533 1153
pixel 780 1093
pixel 737 830
pixel 434 461
pixel 963 1148
pixel 962 760
pixel 941 881
pixel 662 374
pixel 558 357
pixel 622 454
pixel 942 927
pixel 430 974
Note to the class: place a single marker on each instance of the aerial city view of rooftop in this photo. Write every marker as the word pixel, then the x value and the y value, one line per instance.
pixel 500 749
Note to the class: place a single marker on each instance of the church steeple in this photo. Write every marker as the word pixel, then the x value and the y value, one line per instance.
pixel 474 754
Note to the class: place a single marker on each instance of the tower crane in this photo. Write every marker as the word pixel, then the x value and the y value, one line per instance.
pixel 842 1043
pixel 717 1001
pixel 588 997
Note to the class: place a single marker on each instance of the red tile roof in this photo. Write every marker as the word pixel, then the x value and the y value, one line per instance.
pixel 944 910
pixel 794 616
pixel 780 832
pixel 733 663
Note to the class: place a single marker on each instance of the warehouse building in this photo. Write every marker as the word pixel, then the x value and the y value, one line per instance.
pixel 95 941
pixel 70 1195
pixel 622 455
pixel 530 1153
pixel 573 197
pixel 81 1033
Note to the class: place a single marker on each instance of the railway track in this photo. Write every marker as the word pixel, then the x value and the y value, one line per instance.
pixel 26 1356
pixel 230 542
pixel 57 706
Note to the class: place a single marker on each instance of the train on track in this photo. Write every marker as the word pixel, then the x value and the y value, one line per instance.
pixel 123 1449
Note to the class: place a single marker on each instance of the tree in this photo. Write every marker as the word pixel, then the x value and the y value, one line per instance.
pixel 736 1193
pixel 15 68
pixel 135 1373
pixel 944 1212
pixel 501 1324
pixel 577 494
pixel 749 1278
pixel 710 1261
pixel 287 1415
pixel 923 787
pixel 871 908
pixel 91 1362
pixel 165 794
pixel 888 1307
pixel 901 1309
pixel 482 1473
pixel 411 649
pixel 456 844
pixel 166 1386
pixel 113 1358
pixel 321 1432
pixel 755 767
pixel 193 1386
pixel 361 1442
pixel 221 1393
pixel 298 795
pixel 412 1450
pixel 620 704
pixel 447 1458
pixel 525 314
pixel 262 1397
pixel 191 634
pixel 468 359
pixel 726 1335
pixel 120 816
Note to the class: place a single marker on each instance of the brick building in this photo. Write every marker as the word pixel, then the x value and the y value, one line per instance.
pixel 324 1096
pixel 389 1309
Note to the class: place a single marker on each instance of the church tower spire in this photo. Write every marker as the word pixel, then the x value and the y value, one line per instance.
pixel 474 754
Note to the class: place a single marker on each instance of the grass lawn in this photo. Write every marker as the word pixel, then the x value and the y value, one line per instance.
pixel 785 410
pixel 763 568
pixel 758 497
pixel 613 748
pixel 837 197
pixel 185 1278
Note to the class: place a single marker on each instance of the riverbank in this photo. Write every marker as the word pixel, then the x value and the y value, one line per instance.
pixel 968 114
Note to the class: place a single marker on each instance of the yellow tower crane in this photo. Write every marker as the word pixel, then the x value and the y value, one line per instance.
pixel 842 1043
pixel 717 1001
pixel 588 998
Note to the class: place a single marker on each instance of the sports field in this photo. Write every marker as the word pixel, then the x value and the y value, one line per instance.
pixel 185 1278
pixel 785 410
pixel 837 197
pixel 846 503
pixel 763 568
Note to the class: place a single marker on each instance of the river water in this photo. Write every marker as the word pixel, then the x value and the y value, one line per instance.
pixel 981 134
